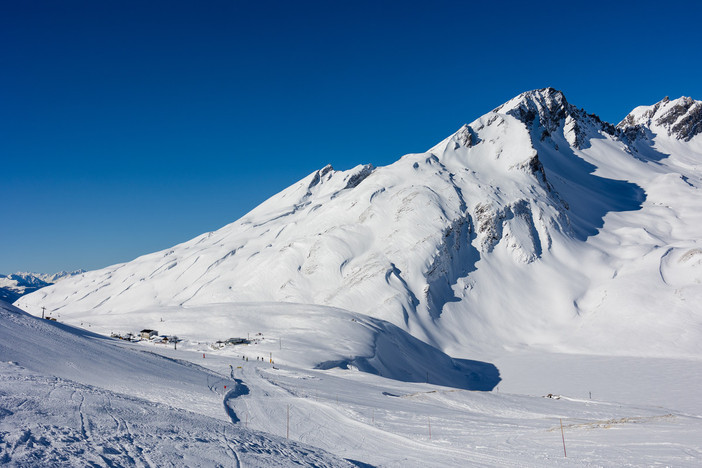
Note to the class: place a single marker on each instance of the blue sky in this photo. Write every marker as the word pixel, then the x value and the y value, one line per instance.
pixel 128 127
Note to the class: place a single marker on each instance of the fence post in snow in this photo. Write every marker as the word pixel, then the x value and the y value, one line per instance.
pixel 563 437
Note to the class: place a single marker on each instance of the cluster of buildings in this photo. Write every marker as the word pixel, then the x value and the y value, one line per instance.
pixel 230 342
pixel 146 334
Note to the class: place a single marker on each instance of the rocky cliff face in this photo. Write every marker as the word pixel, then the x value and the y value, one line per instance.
pixel 680 119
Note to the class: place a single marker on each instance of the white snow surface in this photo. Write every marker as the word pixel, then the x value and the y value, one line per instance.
pixel 536 251
pixel 536 225
pixel 69 397
pixel 72 398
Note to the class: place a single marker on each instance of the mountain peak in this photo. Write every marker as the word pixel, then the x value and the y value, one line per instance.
pixel 543 95
pixel 548 104
pixel 679 118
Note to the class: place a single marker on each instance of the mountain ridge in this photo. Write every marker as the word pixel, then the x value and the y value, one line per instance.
pixel 680 118
pixel 536 193
pixel 16 285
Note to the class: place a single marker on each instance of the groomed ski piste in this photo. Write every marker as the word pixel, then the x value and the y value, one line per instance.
pixel 71 397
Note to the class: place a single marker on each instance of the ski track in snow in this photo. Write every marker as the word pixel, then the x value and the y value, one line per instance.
pixel 376 421
pixel 58 422
pixel 384 431
pixel 47 420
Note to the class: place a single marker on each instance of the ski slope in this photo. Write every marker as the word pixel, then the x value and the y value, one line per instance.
pixel 72 398
pixel 387 423
pixel 274 414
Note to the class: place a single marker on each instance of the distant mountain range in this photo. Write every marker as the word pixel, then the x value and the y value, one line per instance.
pixel 16 285
pixel 536 225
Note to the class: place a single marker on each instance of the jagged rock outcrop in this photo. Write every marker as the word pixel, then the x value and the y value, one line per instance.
pixel 680 118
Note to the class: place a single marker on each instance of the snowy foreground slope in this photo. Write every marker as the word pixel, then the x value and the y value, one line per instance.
pixel 71 398
pixel 536 225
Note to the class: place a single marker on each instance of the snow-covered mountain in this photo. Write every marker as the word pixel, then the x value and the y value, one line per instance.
pixel 562 249
pixel 537 225
pixel 16 285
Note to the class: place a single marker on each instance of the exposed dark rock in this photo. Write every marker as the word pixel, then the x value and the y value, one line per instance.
pixel 465 136
pixel 319 174
pixel 549 105
pixel 683 120
pixel 358 177
pixel 535 167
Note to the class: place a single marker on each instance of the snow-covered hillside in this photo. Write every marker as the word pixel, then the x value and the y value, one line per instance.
pixel 306 336
pixel 535 225
pixel 72 398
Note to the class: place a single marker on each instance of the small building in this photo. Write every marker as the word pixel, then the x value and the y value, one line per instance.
pixel 146 334
pixel 236 341
pixel 126 336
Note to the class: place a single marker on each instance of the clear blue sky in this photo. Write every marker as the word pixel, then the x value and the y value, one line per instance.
pixel 127 127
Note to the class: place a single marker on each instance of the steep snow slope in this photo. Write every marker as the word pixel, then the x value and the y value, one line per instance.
pixel 536 225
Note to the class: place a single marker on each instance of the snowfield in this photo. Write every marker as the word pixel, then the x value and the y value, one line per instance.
pixel 537 269
pixel 68 397
pixel 56 422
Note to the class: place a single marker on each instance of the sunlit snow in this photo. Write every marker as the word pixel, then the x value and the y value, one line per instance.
pixel 538 267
